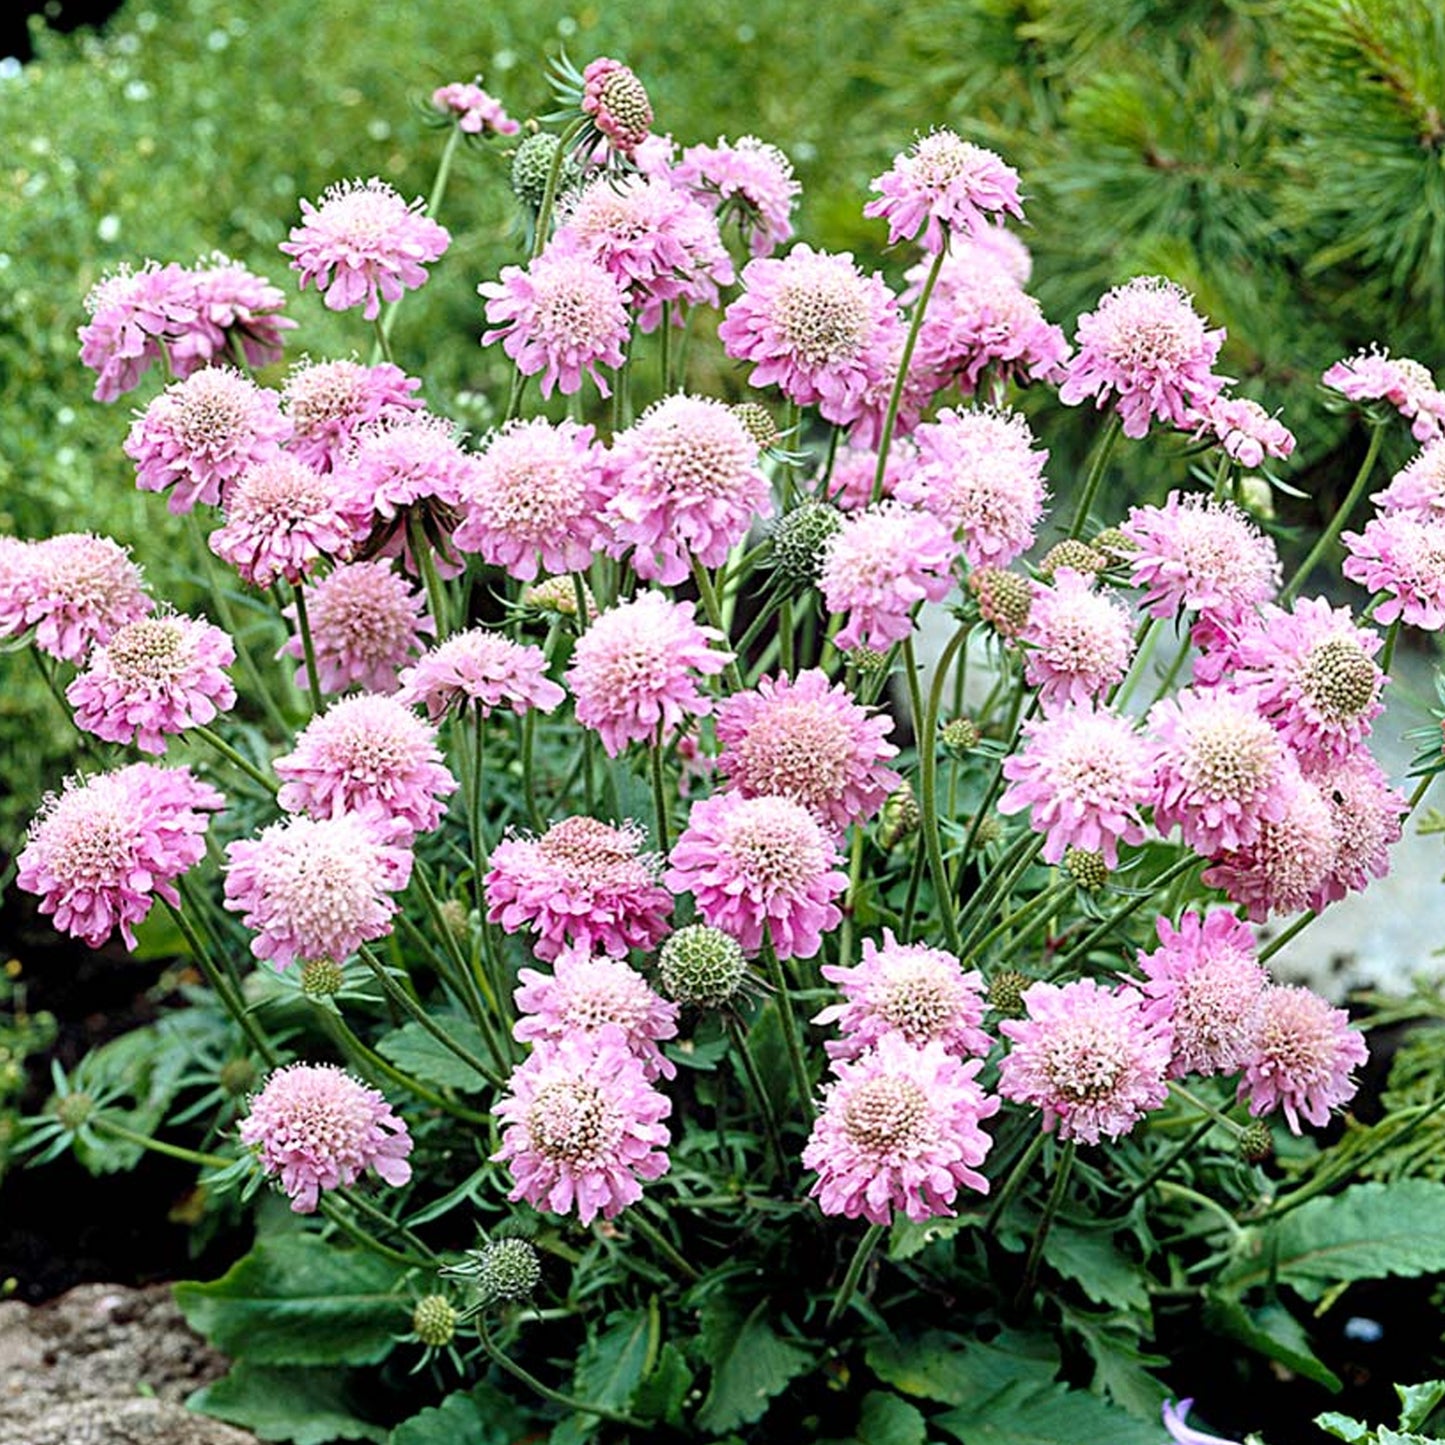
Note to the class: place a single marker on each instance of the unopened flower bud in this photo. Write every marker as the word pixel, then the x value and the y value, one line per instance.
pixel 758 422
pixel 1004 598
pixel 1006 991
pixel 1256 1144
pixel 959 735
pixel 559 595
pixel 1257 497
pixel 237 1077
pixel 531 165
pixel 1115 545
pixel 868 661
pixel 74 1110
pixel 434 1320
pixel 800 542
pixel 1088 870
pixel 988 832
pixel 901 817
pixel 1074 554
pixel 701 965
pixel 454 917
pixel 321 978
pixel 507 1269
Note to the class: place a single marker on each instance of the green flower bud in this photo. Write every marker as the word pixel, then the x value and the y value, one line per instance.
pixel 902 817
pixel 507 1269
pixel 434 1321
pixel 800 542
pixel 1004 598
pixel 1256 1144
pixel 321 978
pixel 1088 870
pixel 959 735
pixel 1005 992
pixel 1071 552
pixel 701 965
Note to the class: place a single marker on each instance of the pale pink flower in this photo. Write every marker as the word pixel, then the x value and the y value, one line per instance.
pixel 899 1130
pixel 1244 430
pixel 1079 641
pixel 363 244
pixel 634 670
pixel 1402 555
pixel 616 100
pixel 749 182
pixel 583 1127
pixel 850 485
pixel 16 562
pixel 155 676
pixel 327 402
pixel 236 319
pixel 943 185
pixel 134 315
pixel 1303 1057
pixel 102 851
pixel 476 112
pixel 1418 488
pixel 1375 375
pixel 1368 819
pixel 993 245
pixel 482 669
pixel 582 885
pixel 1087 1056
pixel 1082 776
pixel 760 867
pixel 315 888
pixel 876 396
pixel 1184 1434
pixel 317 1127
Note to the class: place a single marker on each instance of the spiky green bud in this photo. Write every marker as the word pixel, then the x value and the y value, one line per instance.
pixel 901 818
pixel 1072 553
pixel 800 542
pixel 1006 991
pixel 321 978
pixel 1004 598
pixel 74 1110
pixel 507 1269
pixel 959 735
pixel 531 165
pixel 758 422
pixel 1256 1144
pixel 434 1320
pixel 237 1077
pixel 702 966
pixel 1088 870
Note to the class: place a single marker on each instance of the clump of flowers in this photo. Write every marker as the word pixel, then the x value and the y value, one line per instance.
pixel 476 112
pixel 1375 375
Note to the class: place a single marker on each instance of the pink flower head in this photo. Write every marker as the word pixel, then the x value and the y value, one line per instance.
pixel 899 1130
pixel 1087 1056
pixel 582 885
pixel 945 184
pixel 583 995
pixel 535 499
pixel 482 669
pixel 683 484
pixel 327 402
pixel 617 102
pixel 1418 488
pixel 564 316
pixel 981 473
pixel 634 670
pixel 1303 1055
pixel 133 316
pixel 200 434
pixel 366 624
pixel 817 328
pixel 1244 430
pixel 759 866
pixel 476 112
pixel 236 319
pixel 1402 555
pixel 100 852
pixel 363 244
pixel 16 557
pixel 1081 776
pixel 809 741
pixel 749 182
pixel 1375 375
pixel 315 888
pixel 1368 815
pixel 1080 641
pixel 154 676
pixel 318 1128
pixel 878 565
pixel 368 754
pixel 918 993
pixel 584 1126
pixel 1147 348
pixel 850 486
pixel 1184 1434
pixel 1205 983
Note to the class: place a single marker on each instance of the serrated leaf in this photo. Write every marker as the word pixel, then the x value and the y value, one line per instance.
pixel 1055 1416
pixel 750 1363
pixel 660 1395
pixel 613 1364
pixel 297 1300
pixel 1272 1331
pixel 1342 1427
pixel 481 1416
pixel 944 1367
pixel 909 1237
pixel 412 1049
pixel 1121 1368
pixel 1090 1258
pixel 1418 1402
pixel 305 1406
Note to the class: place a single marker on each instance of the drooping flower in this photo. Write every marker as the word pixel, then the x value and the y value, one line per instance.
pixel 133 314
pixel 1244 430
pixel 898 1130
pixel 363 244
pixel 1375 375
pixel 482 669
pixel 327 402
pixel 750 183
pixel 316 1127
pixel 1079 640
pixel 1368 817
pixel 236 319
pixel 616 100
pixel 1402 555
pixel 476 112
pixel 100 852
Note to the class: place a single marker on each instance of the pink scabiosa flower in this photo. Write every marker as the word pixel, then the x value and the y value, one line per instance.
pixel 1087 1056
pixel 99 853
pixel 850 485
pixel 1147 349
pixel 368 754
pixel 1205 983
pixel 200 434
pixel 1402 555
pixel 564 316
pixel 1303 1055
pixel 1368 817
pixel 1375 375
pixel 944 184
pixel 481 669
pixel 918 993
pixel 1082 776
pixel 1079 640
pixel 476 112
pixel 749 182
pixel 535 498
pixel 134 315
pixel 899 1130
pixel 1244 430
pixel 583 995
pixel 366 625
pixel 807 740
pixel 236 319
pixel 583 885
pixel 817 328
pixel 1418 488
pixel 634 670
pixel 327 402
pixel 363 244
pixel 155 676
pixel 616 101
pixel 315 888
pixel 75 590
pixel 16 557
pixel 315 1127
pixel 759 867
pixel 683 484
pixel 880 563
pixel 583 1127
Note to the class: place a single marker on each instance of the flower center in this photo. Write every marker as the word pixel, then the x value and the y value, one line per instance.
pixel 1339 678
pixel 151 650
pixel 822 319
pixel 566 1121
pixel 918 1001
pixel 886 1113
pixel 1082 1067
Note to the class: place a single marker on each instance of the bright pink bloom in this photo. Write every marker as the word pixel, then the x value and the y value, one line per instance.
pixel 1079 640
pixel 634 670
pixel 759 866
pixel 133 315
pixel 236 319
pixel 16 561
pixel 1087 1056
pixel 480 668
pixel 1368 818
pixel 617 102
pixel 1375 375
pixel 100 852
pixel 155 676
pixel 327 402
pixel 583 1127
pixel 1303 1056
pixel 363 244
pixel 1418 488
pixel 1403 555
pixel 404 459
pixel 318 1128
pixel 899 1130
pixel 477 112
pixel 1244 429
pixel 748 182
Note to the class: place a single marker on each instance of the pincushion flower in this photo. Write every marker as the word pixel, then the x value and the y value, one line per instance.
pixel 616 101
pixel 634 670
pixel 236 319
pixel 582 1127
pixel 100 852
pixel 1418 488
pixel 1146 350
pixel 316 1127
pixel 759 867
pixel 476 112
pixel 363 244
pixel 1087 1056
pixel 154 677
pixel 849 487
pixel 133 314
pixel 1368 816
pixel 750 182
pixel 583 885
pixel 327 402
pixel 1375 375
pixel 480 669
pixel 1079 640
pixel 1402 555
pixel 898 1130
pixel 1244 430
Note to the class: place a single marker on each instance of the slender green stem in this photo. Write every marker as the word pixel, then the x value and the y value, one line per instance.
pixel 1215 1116
pixel 707 593
pixel 855 884
pixel 362 1205
pixel 659 793
pixel 1293 931
pixel 366 1239
pixel 861 1255
pixel 1097 465
pixel 1387 658
pixel 159 1146
pixel 1039 903
pixel 381 344
pixel 1011 867
pixel 926 725
pixel 556 1397
pixel 87 740
pixel 1097 934
pixel 1016 1177
pixel 1062 1171
pixel 664 1246
pixel 790 1028
pixel 421 550
pixel 1421 788
pixel 755 1082
pixel 308 647
pixel 237 760
pixel 549 191
pixel 1196 1137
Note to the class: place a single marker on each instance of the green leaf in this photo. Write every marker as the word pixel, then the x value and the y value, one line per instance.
pixel 308 1407
pixel 1418 1402
pixel 1089 1257
pixel 1272 1331
pixel 412 1049
pixel 481 1416
pixel 750 1363
pixel 887 1420
pixel 1342 1427
pixel 770 1056
pixel 660 1395
pixel 1054 1416
pixel 942 1367
pixel 613 1364
pixel 1121 1368
pixel 909 1237
pixel 296 1300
